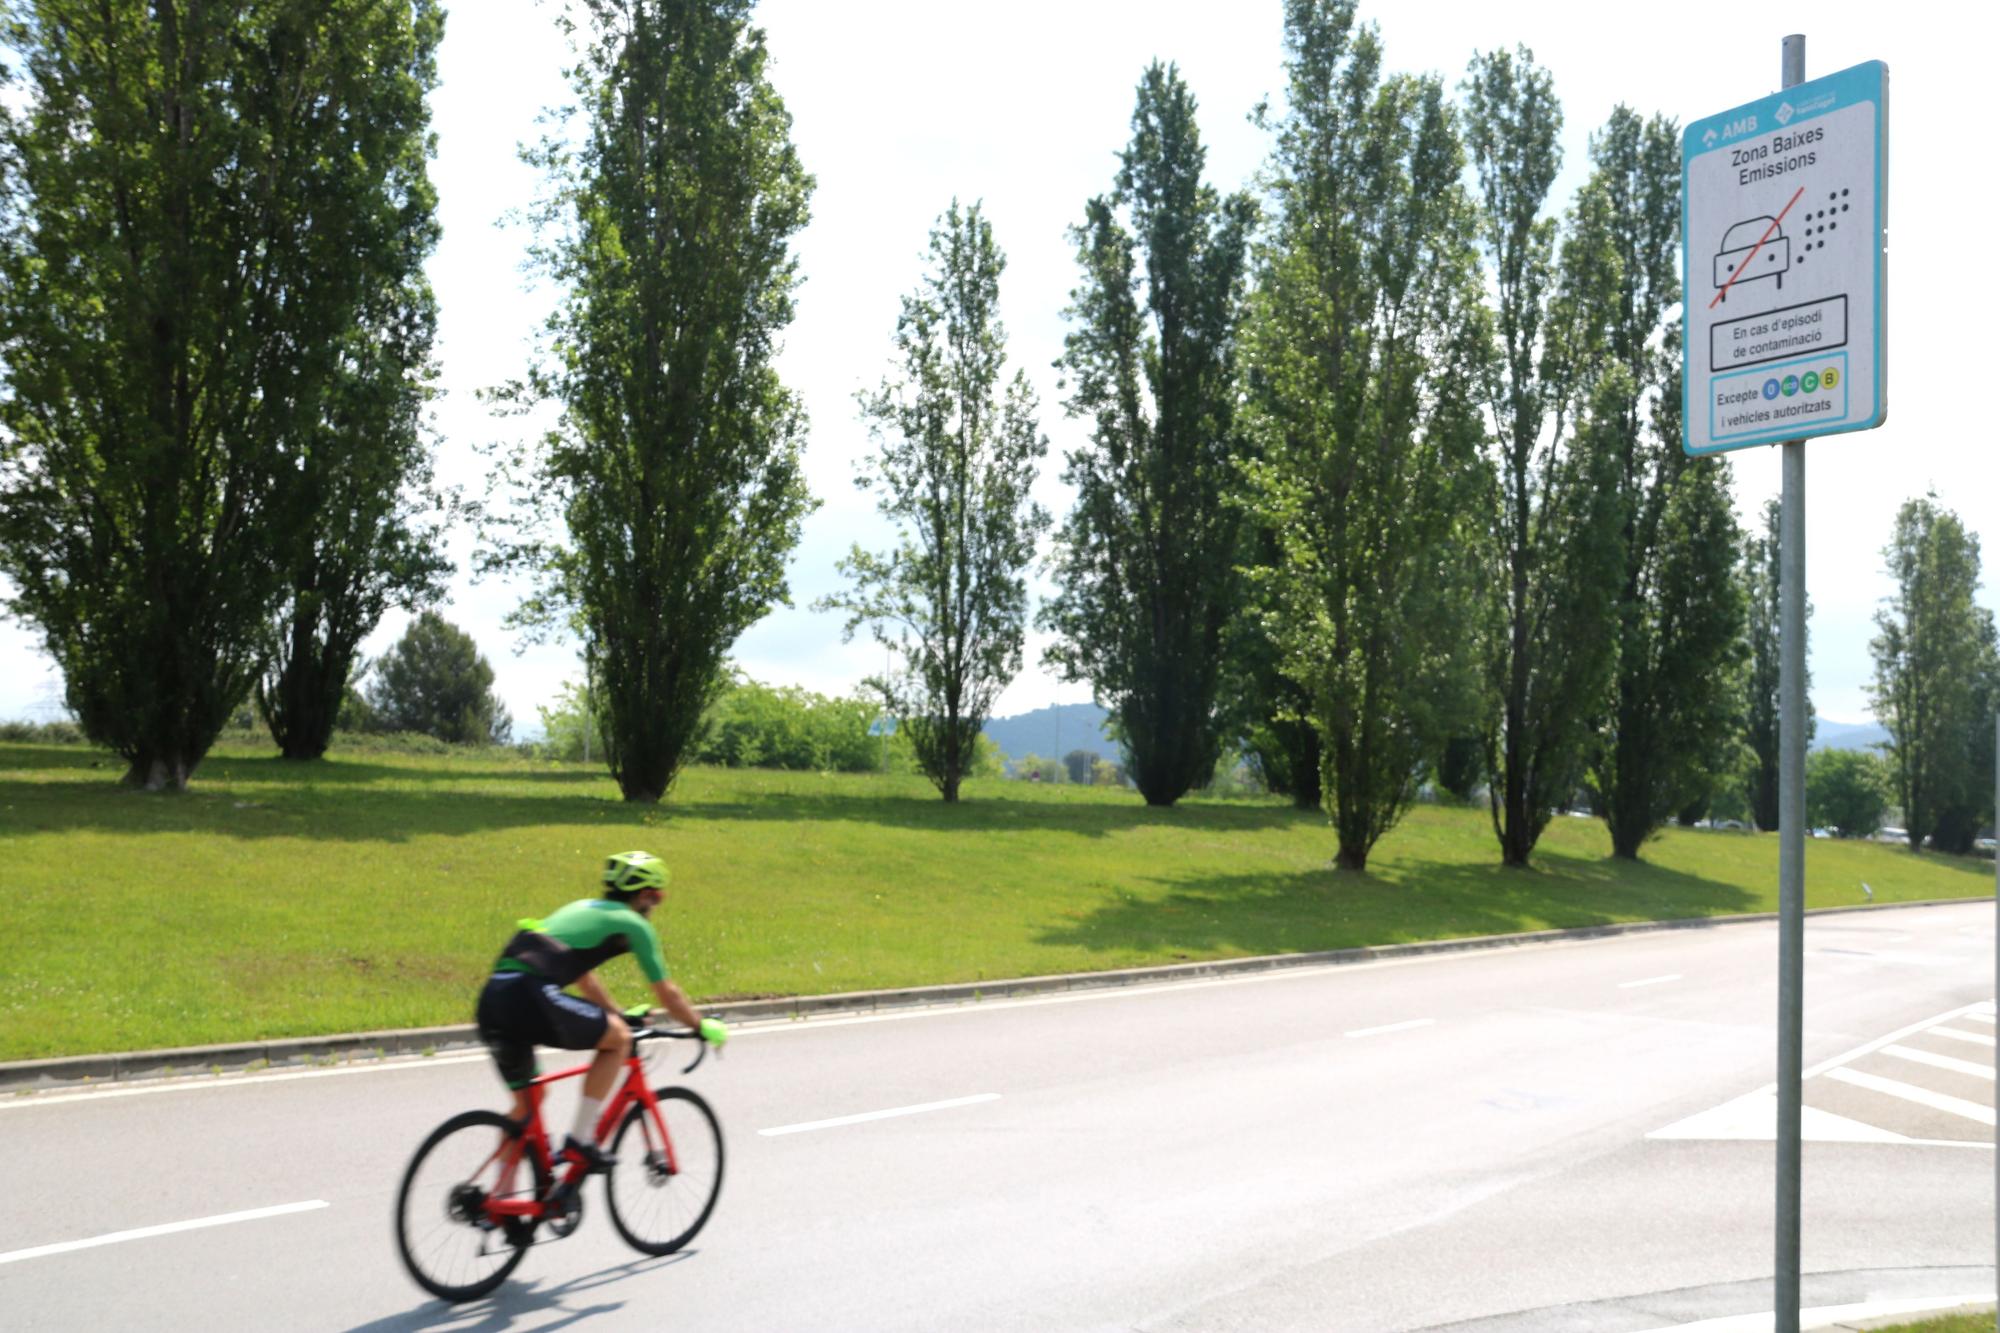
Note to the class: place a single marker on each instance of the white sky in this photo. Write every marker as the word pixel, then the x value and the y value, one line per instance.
pixel 899 105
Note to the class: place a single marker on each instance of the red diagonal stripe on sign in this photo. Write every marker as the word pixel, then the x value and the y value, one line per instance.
pixel 1769 232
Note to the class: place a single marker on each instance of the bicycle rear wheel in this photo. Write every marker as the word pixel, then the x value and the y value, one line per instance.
pixel 658 1208
pixel 451 1245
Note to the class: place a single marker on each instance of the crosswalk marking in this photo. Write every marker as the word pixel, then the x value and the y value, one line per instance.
pixel 1940 1061
pixel 1980 1018
pixel 1976 1038
pixel 1910 1093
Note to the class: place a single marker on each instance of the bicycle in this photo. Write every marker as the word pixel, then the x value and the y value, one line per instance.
pixel 469 1205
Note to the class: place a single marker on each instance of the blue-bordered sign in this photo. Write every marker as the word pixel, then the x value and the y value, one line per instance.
pixel 1784 218
pixel 882 726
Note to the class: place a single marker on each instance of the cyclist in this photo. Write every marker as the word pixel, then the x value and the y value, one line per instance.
pixel 524 1003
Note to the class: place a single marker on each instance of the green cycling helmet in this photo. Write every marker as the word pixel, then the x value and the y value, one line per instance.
pixel 630 872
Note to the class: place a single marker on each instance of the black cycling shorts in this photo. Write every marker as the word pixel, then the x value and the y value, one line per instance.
pixel 518 1012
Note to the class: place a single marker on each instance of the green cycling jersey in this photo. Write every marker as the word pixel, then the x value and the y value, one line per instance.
pixel 580 937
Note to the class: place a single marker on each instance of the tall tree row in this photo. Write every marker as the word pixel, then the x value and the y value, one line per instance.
pixel 957 456
pixel 190 195
pixel 1367 342
pixel 659 513
pixel 1146 563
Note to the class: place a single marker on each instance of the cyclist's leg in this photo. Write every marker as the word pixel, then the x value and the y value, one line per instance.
pixel 508 1022
pixel 576 1024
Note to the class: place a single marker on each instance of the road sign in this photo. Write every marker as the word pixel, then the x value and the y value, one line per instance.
pixel 1784 229
pixel 882 726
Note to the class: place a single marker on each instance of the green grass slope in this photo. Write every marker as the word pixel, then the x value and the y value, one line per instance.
pixel 280 899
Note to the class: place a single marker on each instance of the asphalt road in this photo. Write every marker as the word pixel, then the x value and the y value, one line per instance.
pixel 1553 1137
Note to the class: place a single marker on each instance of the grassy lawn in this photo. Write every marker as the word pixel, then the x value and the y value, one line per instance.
pixel 372 891
pixel 1951 1323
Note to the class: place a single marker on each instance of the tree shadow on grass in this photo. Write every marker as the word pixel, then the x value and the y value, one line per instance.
pixel 1214 916
pixel 268 801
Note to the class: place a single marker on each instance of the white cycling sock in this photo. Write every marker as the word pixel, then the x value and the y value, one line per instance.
pixel 587 1109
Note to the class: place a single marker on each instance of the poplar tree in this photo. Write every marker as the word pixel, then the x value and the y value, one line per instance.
pixel 191 197
pixel 658 514
pixel 368 529
pixel 1556 521
pixel 1679 608
pixel 1368 341
pixel 1146 563
pixel 1937 677
pixel 957 458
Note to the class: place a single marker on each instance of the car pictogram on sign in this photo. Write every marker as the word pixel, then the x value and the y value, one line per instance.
pixel 1740 247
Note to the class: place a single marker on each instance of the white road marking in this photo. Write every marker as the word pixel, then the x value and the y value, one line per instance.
pixel 1976 1038
pixel 1826 1316
pixel 880 1115
pixel 1391 1027
pixel 1940 1061
pixel 236 1080
pixel 1937 1101
pixel 1755 1118
pixel 1880 1042
pixel 1980 1018
pixel 165 1229
pixel 1649 981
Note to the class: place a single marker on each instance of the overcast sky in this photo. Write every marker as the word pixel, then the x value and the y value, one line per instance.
pixel 898 105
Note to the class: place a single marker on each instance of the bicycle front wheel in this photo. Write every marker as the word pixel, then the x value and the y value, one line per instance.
pixel 451 1244
pixel 660 1199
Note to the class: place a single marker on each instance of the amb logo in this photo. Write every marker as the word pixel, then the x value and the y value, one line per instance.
pixel 1735 129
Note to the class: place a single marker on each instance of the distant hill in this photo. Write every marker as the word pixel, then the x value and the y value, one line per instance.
pixel 1831 735
pixel 1053 732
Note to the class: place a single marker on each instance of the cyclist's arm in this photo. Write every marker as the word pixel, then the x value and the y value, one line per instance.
pixel 675 1002
pixel 593 990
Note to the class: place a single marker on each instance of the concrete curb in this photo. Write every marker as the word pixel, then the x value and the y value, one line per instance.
pixel 295 1052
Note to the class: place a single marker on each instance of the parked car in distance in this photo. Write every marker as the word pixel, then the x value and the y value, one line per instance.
pixel 1892 835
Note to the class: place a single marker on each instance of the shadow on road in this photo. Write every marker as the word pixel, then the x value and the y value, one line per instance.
pixel 521 1304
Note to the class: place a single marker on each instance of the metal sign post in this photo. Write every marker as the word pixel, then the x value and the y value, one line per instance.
pixel 1791 836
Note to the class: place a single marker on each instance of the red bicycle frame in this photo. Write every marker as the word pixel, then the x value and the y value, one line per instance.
pixel 535 1138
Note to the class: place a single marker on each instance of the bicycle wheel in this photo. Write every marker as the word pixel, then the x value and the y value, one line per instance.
pixel 657 1208
pixel 451 1246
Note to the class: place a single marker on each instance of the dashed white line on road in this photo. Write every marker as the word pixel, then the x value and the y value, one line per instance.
pixel 1980 1018
pixel 1957 1066
pixel 1649 981
pixel 1976 1038
pixel 881 1115
pixel 165 1229
pixel 1937 1101
pixel 1391 1027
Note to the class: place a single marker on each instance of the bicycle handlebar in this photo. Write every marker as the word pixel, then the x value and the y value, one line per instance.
pixel 650 1033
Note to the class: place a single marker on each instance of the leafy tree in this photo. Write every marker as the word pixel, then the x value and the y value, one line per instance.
pixel 1937 677
pixel 1679 607
pixel 1367 340
pixel 1549 662
pixel 1146 563
pixel 955 466
pixel 1459 765
pixel 360 544
pixel 1034 768
pixel 435 681
pixel 1081 764
pixel 192 194
pixel 1763 634
pixel 1846 790
pixel 569 723
pixel 1105 773
pixel 675 469
pixel 1267 712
